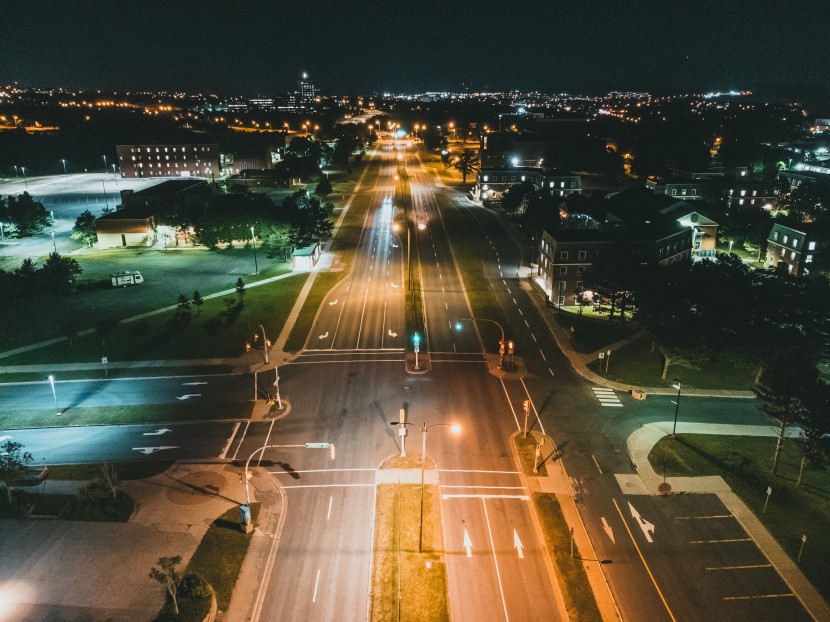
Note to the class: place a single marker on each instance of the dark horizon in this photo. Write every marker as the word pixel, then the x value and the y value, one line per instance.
pixel 260 50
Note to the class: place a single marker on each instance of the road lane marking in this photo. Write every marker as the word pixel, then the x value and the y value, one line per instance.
pixel 543 355
pixel 267 437
pixel 362 313
pixel 473 471
pixel 151 450
pixel 643 559
pixel 495 559
pixel 551 371
pixel 750 567
pixel 485 496
pixel 509 292
pixel 703 517
pixel 608 530
pixel 533 405
pixel 526 324
pixel 720 541
pixel 517 544
pixel 759 596
pixel 158 432
pixel 468 544
pixel 647 527
pixel 319 471
pixel 483 487
pixel 241 439
pixel 606 397
pixel 316 583
pixel 372 485
pixel 597 464
pixel 534 337
pixel 328 515
pixel 188 396
pixel 510 403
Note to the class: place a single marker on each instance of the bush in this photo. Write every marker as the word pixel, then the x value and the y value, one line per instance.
pixel 91 506
pixel 195 596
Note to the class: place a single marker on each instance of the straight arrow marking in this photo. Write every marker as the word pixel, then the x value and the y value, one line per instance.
pixel 517 544
pixel 468 544
pixel 158 432
pixel 647 527
pixel 607 529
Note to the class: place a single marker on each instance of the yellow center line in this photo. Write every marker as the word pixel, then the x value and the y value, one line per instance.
pixel 643 559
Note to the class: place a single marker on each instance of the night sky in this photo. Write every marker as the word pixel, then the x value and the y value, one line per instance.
pixel 251 48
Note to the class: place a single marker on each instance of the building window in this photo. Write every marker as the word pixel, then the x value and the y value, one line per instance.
pixel 774 235
pixel 563 270
pixel 683 192
pixel 792 254
pixel 786 237
pixel 563 256
pixel 580 270
pixel 811 246
pixel 550 185
pixel 583 255
pixel 562 185
pixel 754 193
pixel 808 259
pixel 486 178
pixel 795 242
pixel 694 190
pixel 743 193
pixel 740 201
pixel 573 184
pixel 674 190
pixel 783 250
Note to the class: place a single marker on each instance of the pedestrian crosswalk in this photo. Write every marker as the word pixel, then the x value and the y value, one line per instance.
pixel 607 397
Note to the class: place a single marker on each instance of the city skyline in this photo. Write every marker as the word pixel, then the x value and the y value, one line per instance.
pixel 597 48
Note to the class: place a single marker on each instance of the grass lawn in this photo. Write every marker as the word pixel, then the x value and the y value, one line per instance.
pixel 636 364
pixel 745 462
pixel 221 552
pixel 527 454
pixel 115 415
pixel 592 333
pixel 579 599
pixel 216 332
pixel 422 577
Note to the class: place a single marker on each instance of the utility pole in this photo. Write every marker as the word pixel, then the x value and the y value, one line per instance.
pixel 527 414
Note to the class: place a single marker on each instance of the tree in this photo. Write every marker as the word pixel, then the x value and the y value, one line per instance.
pixel 813 419
pixel 466 164
pixel 27 215
pixel 240 289
pixel 109 478
pixel 183 307
pixel 198 301
pixel 323 188
pixel 58 274
pixel 165 573
pixel 780 391
pixel 343 149
pixel 105 326
pixel 13 464
pixel 84 230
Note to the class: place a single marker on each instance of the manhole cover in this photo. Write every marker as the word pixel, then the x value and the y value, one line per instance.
pixel 664 488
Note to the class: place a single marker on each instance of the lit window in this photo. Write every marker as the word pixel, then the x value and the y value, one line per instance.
pixel 740 201
pixel 551 185
pixel 792 254
pixel 774 235
pixel 523 177
pixel 754 193
pixel 743 193
pixel 808 259
pixel 562 184
pixel 795 242
pixel 811 246
pixel 486 178
pixel 786 237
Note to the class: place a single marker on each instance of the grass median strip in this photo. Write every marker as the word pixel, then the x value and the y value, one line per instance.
pixel 406 584
pixel 579 599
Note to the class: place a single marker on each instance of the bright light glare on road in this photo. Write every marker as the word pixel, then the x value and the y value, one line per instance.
pixel 396 227
pixel 455 428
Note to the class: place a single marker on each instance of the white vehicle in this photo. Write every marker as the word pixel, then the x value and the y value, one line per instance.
pixel 122 279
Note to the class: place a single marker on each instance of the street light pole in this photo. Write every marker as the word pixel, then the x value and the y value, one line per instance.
pixel 482 319
pixel 424 428
pixel 676 405
pixel 253 239
pixel 54 394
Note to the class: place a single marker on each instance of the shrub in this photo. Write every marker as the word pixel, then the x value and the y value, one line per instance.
pixel 91 505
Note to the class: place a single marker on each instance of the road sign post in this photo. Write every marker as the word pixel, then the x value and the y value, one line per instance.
pixel 607 360
pixel 769 492
pixel 104 362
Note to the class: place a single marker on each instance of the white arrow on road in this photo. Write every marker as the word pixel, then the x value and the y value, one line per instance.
pixel 647 527
pixel 323 336
pixel 394 284
pixel 152 450
pixel 188 396
pixel 192 384
pixel 158 432
pixel 517 544
pixel 332 303
pixel 391 334
pixel 607 529
pixel 468 544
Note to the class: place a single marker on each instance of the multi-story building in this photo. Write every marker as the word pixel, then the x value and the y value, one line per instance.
pixel 748 193
pixel 687 190
pixel 793 248
pixel 491 183
pixel 306 93
pixel 567 255
pixel 168 160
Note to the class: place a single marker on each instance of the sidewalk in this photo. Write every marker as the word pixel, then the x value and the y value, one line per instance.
pixel 640 444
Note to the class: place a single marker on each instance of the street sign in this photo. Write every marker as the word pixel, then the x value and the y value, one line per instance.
pixel 417 349
pixel 601 355
pixel 317 445
pixel 104 360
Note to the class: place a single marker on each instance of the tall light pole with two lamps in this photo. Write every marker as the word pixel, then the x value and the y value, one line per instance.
pixel 424 428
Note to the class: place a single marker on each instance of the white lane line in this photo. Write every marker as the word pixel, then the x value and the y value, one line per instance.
pixel 362 313
pixel 534 337
pixel 483 487
pixel 268 436
pixel 543 355
pixel 316 583
pixel 728 540
pixel 551 371
pixel 318 471
pixel 475 471
pixel 328 515
pixel 520 312
pixel 241 439
pixel 759 596
pixel 527 324
pixel 702 517
pixel 485 496
pixel 331 486
pixel 495 559
pixel 446 306
pixel 739 567
pixel 508 291
pixel 514 302
pixel 505 282
pixel 510 403
pixel 230 441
